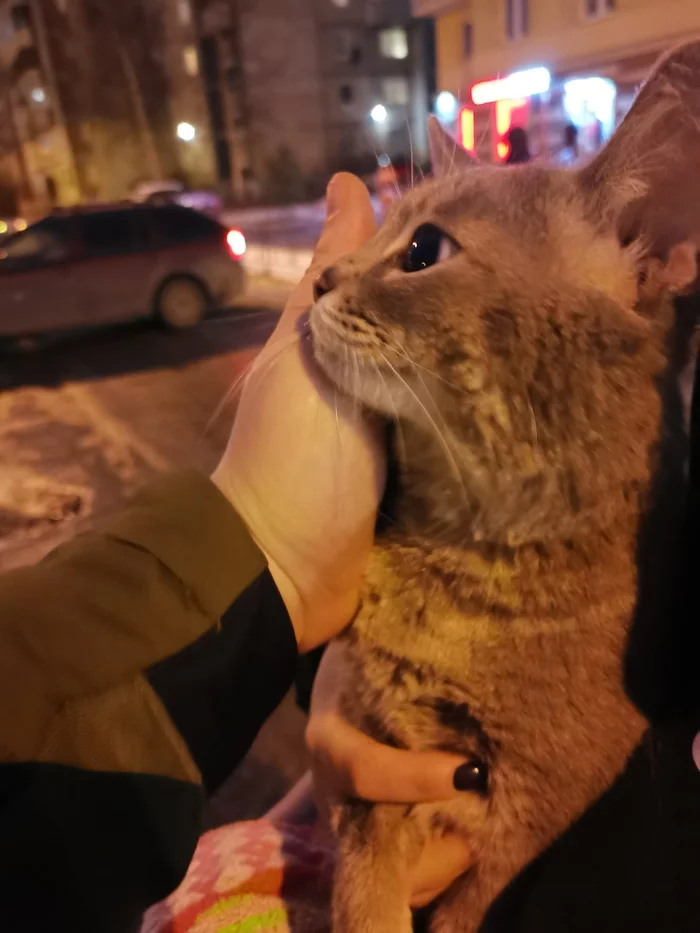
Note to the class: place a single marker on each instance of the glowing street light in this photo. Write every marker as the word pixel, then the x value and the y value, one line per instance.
pixel 446 106
pixel 186 132
pixel 379 113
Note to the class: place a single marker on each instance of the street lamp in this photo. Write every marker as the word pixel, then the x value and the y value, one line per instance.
pixel 186 132
pixel 446 106
pixel 379 113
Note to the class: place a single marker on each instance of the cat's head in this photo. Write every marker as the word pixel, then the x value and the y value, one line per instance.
pixel 513 321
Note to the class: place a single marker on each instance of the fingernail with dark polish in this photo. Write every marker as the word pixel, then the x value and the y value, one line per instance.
pixel 472 776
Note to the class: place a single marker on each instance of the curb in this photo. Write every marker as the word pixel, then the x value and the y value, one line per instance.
pixel 316 210
pixel 278 262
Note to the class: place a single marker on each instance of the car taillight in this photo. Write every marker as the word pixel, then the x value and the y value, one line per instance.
pixel 236 244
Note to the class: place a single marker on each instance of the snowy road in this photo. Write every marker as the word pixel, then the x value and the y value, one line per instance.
pixel 87 420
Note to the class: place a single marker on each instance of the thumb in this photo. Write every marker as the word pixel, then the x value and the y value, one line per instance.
pixel 350 222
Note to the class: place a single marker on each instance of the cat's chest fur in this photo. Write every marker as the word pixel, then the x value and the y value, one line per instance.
pixel 448 653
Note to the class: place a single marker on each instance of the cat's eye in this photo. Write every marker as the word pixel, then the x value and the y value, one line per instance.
pixel 429 246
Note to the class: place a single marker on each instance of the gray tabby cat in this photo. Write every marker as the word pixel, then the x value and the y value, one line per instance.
pixel 515 324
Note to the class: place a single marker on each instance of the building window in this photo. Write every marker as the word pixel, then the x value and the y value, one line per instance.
pixel 396 91
pixel 517 18
pixel 596 9
pixel 341 3
pixel 393 43
pixel 184 12
pixel 190 60
pixel 346 45
pixel 468 40
pixel 21 17
pixel 346 94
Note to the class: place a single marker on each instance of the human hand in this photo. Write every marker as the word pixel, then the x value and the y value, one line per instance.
pixel 304 468
pixel 346 763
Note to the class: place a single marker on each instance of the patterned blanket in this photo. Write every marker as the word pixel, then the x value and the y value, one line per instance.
pixel 252 878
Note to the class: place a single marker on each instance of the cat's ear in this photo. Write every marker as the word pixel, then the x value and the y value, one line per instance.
pixel 446 154
pixel 647 179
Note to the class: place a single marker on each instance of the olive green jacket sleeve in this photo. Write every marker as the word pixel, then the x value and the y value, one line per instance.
pixel 136 666
pixel 103 608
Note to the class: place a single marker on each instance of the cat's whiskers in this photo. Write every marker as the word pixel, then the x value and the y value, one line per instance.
pixel 533 424
pixel 337 421
pixel 264 360
pixel 401 440
pixel 430 372
pixel 357 377
pixel 416 366
pixel 410 147
pixel 449 454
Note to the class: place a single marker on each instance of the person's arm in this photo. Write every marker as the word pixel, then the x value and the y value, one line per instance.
pixel 105 607
pixel 120 691
pixel 116 680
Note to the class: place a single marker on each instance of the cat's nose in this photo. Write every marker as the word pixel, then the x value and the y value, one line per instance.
pixel 326 282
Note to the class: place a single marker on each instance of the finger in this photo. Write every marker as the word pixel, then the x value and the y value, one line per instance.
pixel 357 766
pixel 440 864
pixel 349 223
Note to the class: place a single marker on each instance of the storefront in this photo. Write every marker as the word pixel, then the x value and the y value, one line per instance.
pixel 543 104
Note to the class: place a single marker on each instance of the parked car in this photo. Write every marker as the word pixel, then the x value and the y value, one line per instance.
pixel 173 192
pixel 97 266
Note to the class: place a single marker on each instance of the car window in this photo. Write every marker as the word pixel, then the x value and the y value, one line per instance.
pixel 179 225
pixel 113 232
pixel 39 244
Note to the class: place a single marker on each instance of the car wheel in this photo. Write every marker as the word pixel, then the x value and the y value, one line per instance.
pixel 182 303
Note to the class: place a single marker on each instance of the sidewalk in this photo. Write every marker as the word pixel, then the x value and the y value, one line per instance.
pixel 281 240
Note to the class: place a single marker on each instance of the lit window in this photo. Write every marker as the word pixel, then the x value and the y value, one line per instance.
pixel 345 46
pixel 517 18
pixel 38 95
pixel 396 91
pixel 393 43
pixel 468 40
pixel 191 60
pixel 595 9
pixel 184 11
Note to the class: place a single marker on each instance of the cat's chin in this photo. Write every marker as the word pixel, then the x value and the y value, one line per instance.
pixel 358 380
pixel 357 364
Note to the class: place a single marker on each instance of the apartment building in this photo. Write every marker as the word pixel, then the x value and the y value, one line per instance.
pixel 93 94
pixel 297 89
pixel 577 61
pixel 262 99
pixel 375 76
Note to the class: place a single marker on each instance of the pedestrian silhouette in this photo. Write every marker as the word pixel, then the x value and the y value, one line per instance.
pixel 518 146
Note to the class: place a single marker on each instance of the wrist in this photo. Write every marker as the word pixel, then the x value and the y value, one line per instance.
pixel 321 595
pixel 247 513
